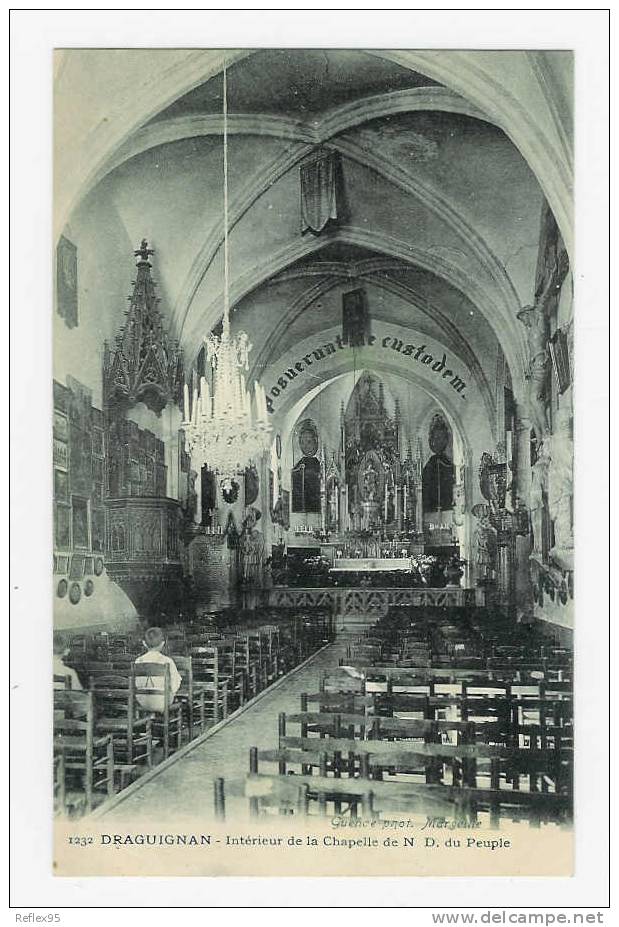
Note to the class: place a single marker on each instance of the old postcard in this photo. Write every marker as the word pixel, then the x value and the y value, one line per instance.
pixel 313 374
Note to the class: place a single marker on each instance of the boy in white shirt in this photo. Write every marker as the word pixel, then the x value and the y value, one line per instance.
pixel 154 641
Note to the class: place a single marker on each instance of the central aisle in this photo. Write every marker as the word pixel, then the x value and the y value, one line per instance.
pixel 186 786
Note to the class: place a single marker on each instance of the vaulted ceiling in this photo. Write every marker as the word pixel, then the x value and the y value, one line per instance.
pixel 442 209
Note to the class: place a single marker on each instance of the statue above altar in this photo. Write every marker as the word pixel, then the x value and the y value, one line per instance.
pixel 369 480
pixel 381 485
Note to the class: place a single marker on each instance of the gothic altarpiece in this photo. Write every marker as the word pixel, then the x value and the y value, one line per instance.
pixel 382 486
pixel 373 492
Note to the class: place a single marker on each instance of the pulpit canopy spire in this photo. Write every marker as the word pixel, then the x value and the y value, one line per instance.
pixel 145 365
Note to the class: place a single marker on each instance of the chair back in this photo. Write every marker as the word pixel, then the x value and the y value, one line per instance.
pixel 184 665
pixel 150 672
pixel 73 712
pixel 114 691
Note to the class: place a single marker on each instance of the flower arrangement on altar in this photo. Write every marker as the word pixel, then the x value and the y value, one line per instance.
pixel 316 564
pixel 423 564
pixel 312 570
pixel 454 569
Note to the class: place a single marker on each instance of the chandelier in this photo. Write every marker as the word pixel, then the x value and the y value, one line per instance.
pixel 226 428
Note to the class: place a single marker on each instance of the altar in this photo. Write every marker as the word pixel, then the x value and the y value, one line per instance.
pixel 369 517
pixel 380 564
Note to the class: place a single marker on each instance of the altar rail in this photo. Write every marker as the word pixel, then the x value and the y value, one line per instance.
pixel 373 602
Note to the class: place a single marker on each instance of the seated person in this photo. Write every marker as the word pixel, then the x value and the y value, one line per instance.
pixel 154 642
pixel 61 649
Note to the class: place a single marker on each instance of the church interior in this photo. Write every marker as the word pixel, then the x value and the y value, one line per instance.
pixel 312 419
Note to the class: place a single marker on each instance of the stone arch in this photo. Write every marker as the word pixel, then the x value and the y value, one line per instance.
pixel 340 274
pixel 484 87
pixel 502 324
pixel 335 121
pixel 423 192
pixel 297 398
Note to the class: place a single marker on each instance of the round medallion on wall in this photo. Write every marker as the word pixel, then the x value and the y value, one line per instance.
pixel 230 491
pixel 308 439
pixel 98 567
pixel 252 485
pixel 62 588
pixel 75 593
pixel 89 587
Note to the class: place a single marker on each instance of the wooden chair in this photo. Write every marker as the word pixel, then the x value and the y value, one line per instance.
pixel 232 670
pixel 176 641
pixel 246 665
pixel 191 696
pixel 206 668
pixel 60 784
pixel 272 638
pixel 166 720
pixel 80 750
pixel 117 713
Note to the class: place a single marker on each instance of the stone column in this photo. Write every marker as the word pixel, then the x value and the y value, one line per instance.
pixel 523 590
pixel 170 434
pixel 505 567
pixel 323 497
pixel 268 529
pixel 419 507
pixel 522 456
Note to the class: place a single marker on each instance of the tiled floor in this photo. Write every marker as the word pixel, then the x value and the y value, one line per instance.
pixel 187 785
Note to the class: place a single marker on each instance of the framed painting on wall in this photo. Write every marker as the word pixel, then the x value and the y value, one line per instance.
pixel 61 426
pixel 61 562
pixel 66 281
pixel 76 570
pixel 97 442
pixel 63 526
pixel 80 523
pixel 61 454
pixel 61 486
pixel 80 459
